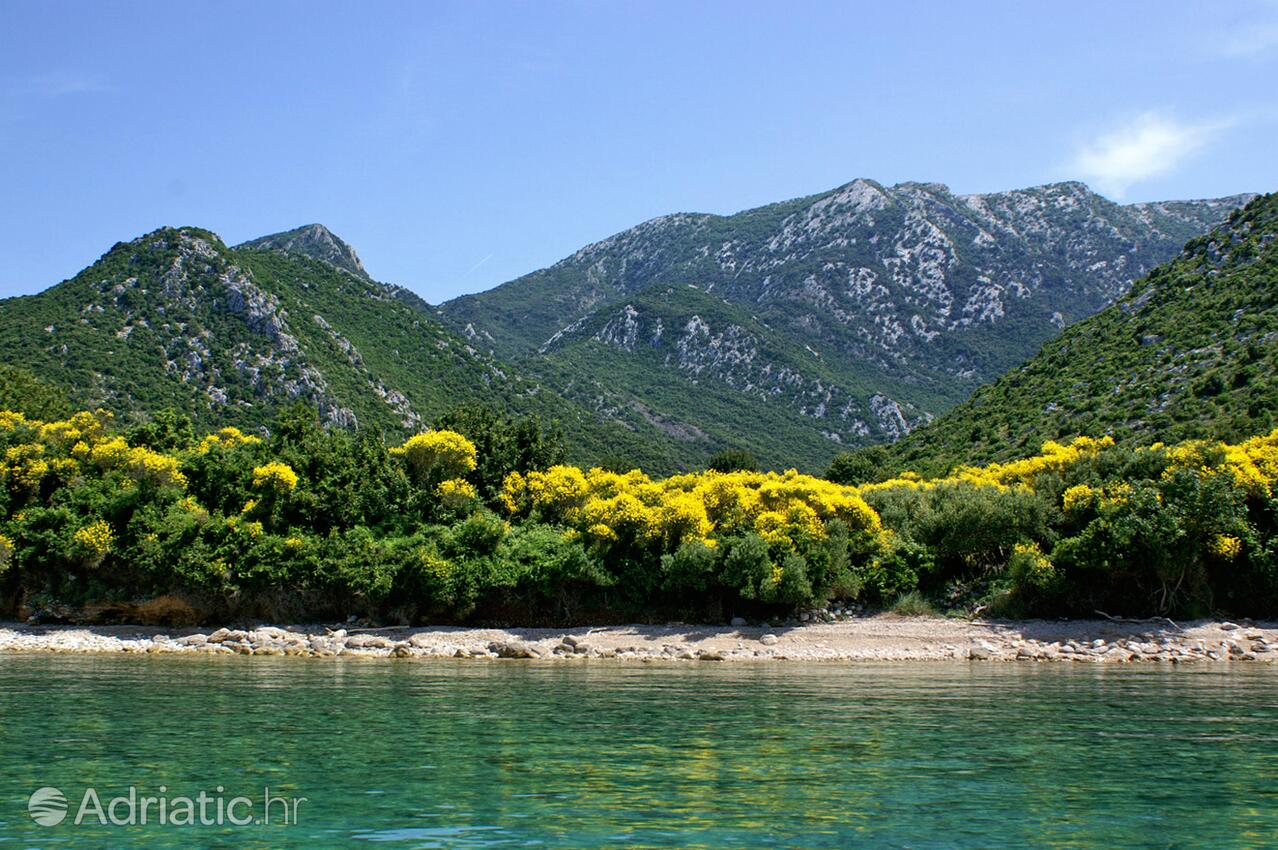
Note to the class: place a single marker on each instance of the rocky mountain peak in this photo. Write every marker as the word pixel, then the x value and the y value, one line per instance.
pixel 315 241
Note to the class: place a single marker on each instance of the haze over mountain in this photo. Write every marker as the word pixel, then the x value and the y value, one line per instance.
pixel 838 319
pixel 1191 351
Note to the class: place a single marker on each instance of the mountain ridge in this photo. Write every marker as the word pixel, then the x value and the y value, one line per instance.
pixel 928 292
pixel 860 192
pixel 230 336
pixel 839 319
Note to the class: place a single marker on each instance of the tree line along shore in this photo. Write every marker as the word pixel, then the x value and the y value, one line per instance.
pixel 480 521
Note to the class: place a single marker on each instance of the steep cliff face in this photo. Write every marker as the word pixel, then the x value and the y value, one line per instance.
pixel 854 315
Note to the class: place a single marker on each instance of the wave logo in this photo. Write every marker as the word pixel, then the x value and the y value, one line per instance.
pixel 48 806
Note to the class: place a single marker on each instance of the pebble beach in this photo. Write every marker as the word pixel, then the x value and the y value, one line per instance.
pixel 881 637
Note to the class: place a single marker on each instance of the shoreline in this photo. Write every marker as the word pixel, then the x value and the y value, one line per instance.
pixel 879 637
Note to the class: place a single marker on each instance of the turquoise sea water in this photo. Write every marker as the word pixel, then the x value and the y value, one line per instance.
pixel 412 754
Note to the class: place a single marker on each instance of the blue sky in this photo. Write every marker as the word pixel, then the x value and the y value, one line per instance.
pixel 459 145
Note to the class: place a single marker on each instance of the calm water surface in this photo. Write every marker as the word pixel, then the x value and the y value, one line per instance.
pixel 407 754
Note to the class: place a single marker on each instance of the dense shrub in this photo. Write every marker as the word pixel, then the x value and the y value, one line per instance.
pixel 325 523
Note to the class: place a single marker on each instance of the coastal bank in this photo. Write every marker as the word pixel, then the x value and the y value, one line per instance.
pixel 880 637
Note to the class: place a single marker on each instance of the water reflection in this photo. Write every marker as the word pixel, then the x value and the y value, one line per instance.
pixel 471 754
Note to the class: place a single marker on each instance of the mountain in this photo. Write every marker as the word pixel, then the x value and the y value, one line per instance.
pixel 794 330
pixel 319 243
pixel 1191 351
pixel 175 318
pixel 840 319
pixel 315 241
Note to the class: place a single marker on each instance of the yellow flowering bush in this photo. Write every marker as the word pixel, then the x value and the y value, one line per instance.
pixel 226 438
pixel 728 503
pixel 514 492
pixel 1262 455
pixel 189 505
pixel 623 515
pixel 94 541
pixel 154 468
pixel 91 446
pixel 1251 466
pixel 1030 565
pixel 1054 458
pixel 456 492
pixel 609 506
pixel 24 467
pixel 437 453
pixel 106 454
pixel 6 552
pixel 683 517
pixel 438 568
pixel 599 531
pixel 557 493
pixel 1225 546
pixel 82 427
pixel 786 527
pixel 1080 497
pixel 564 488
pixel 276 476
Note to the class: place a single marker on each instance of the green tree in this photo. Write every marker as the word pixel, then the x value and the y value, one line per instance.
pixel 863 466
pixel 503 444
pixel 733 460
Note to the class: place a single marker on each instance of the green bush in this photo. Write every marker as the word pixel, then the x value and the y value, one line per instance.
pixel 1151 547
pixel 967 530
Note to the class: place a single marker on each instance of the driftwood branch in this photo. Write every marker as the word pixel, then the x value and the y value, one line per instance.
pixel 1114 619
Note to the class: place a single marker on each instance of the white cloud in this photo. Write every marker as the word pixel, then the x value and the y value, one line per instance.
pixel 1148 146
